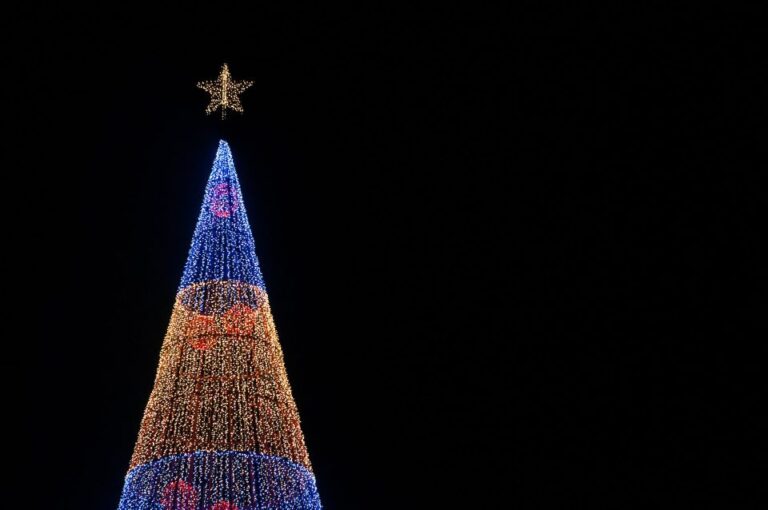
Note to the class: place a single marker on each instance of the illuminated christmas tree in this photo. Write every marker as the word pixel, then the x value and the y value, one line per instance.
pixel 221 430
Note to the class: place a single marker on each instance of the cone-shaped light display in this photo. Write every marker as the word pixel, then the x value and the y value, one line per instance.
pixel 221 430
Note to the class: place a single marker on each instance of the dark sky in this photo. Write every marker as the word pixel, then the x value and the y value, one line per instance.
pixel 494 246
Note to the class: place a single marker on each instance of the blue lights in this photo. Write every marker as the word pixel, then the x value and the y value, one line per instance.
pixel 222 246
pixel 220 480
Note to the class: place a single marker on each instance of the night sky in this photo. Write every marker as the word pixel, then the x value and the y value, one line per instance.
pixel 493 247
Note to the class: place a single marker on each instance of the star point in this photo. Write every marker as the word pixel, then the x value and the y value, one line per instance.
pixel 225 92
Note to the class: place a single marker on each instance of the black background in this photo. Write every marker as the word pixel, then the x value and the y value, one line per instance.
pixel 496 247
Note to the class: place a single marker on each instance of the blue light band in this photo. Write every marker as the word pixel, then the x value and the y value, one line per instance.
pixel 202 480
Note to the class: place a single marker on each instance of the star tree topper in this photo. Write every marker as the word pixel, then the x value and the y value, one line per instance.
pixel 224 92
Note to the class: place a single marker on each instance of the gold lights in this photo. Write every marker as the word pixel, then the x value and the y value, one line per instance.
pixel 221 383
pixel 224 92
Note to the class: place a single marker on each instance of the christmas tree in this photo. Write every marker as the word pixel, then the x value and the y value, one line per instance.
pixel 221 430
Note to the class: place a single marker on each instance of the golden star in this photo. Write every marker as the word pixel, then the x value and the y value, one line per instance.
pixel 224 92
